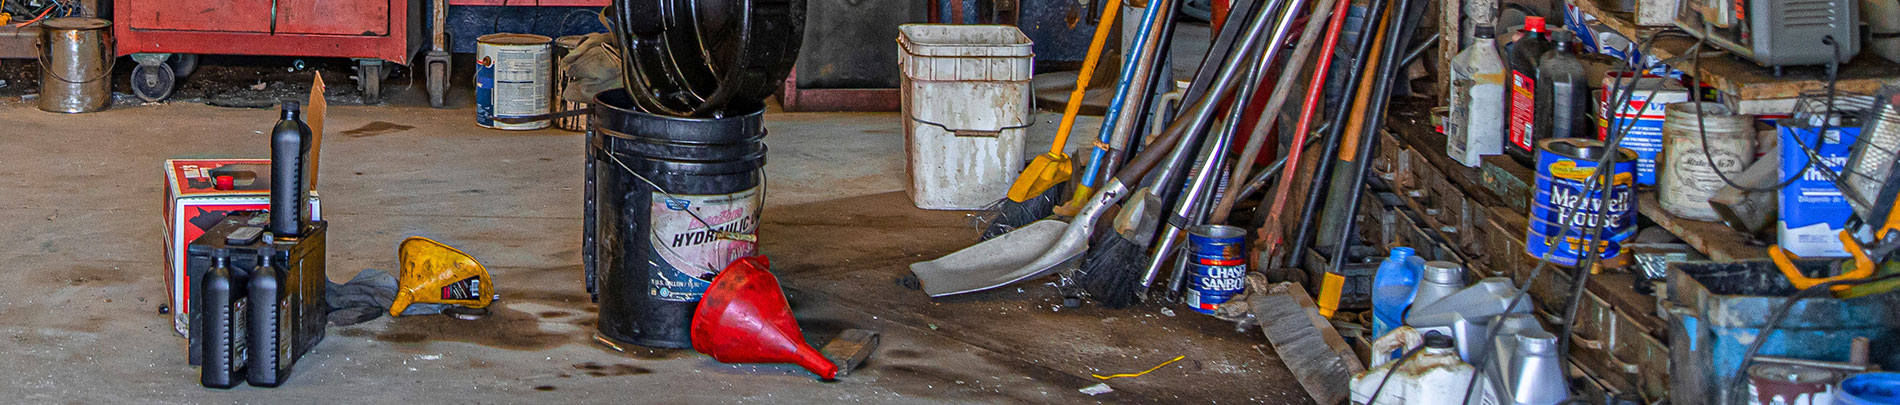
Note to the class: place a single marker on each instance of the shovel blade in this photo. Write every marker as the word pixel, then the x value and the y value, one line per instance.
pixel 994 263
pixel 1044 172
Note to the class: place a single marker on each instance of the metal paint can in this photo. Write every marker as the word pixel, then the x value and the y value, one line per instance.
pixel 1788 384
pixel 76 59
pixel 1563 200
pixel 1690 168
pixel 562 47
pixel 1217 266
pixel 512 75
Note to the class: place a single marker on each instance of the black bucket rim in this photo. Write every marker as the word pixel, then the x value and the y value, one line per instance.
pixel 618 108
pixel 751 162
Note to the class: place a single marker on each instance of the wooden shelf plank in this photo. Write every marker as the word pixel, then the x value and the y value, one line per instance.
pixel 1713 239
pixel 1744 79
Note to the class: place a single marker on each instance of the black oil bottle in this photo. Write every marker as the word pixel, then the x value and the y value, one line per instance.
pixel 270 326
pixel 290 143
pixel 224 308
pixel 1522 60
pixel 1563 93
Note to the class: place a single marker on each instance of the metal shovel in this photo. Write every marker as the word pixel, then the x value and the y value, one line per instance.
pixel 1037 249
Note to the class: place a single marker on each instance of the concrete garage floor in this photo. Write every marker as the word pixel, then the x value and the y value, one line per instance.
pixel 80 231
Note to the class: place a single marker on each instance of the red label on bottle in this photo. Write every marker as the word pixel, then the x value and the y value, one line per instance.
pixel 1523 109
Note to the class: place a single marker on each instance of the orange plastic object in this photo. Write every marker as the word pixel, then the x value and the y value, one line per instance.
pixel 439 274
pixel 1863 266
pixel 743 318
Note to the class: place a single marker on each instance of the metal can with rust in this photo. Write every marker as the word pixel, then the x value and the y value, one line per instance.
pixel 1217 266
pixel 1790 384
pixel 1702 143
pixel 1566 203
pixel 512 75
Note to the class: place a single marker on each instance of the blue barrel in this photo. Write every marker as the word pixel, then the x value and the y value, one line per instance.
pixel 1217 266
pixel 1563 200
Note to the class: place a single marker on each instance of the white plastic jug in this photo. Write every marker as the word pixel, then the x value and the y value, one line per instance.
pixel 1432 376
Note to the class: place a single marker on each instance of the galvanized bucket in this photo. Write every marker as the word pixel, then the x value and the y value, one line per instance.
pixel 76 60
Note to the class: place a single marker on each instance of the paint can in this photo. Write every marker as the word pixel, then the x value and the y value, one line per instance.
pixel 1788 384
pixel 1811 210
pixel 1564 203
pixel 671 201
pixel 512 75
pixel 1217 266
pixel 76 60
pixel 562 47
pixel 1690 170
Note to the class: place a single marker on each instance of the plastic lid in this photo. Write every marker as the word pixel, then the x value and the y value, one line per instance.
pixel 1485 31
pixel 1437 340
pixel 1536 342
pixel 292 105
pixel 1402 252
pixel 1871 388
pixel 1443 272
pixel 1534 24
pixel 1563 38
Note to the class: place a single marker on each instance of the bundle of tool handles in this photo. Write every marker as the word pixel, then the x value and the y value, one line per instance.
pixel 1181 166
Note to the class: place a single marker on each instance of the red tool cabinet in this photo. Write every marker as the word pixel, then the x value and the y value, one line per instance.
pixel 373 32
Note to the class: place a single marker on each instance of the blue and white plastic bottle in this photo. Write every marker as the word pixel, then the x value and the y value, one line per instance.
pixel 1392 289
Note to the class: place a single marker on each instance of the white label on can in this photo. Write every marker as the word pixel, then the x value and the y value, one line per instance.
pixel 692 238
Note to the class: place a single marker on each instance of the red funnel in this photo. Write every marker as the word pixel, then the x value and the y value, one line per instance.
pixel 743 318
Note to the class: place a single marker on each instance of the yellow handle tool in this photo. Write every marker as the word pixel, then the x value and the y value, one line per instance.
pixel 1050 169
pixel 1863 266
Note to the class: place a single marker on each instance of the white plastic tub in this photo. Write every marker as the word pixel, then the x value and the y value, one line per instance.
pixel 966 109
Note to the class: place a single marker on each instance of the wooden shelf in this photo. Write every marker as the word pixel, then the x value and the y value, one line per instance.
pixel 1715 240
pixel 1758 88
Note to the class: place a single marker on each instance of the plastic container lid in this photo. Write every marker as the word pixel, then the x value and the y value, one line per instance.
pixel 1443 272
pixel 1870 388
pixel 1534 24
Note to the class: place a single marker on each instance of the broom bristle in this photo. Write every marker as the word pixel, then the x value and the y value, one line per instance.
pixel 1006 215
pixel 1111 271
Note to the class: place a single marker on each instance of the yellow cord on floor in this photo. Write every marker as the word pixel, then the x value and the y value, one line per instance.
pixel 1144 372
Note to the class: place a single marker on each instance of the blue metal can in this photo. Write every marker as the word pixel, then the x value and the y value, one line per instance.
pixel 1217 266
pixel 1564 200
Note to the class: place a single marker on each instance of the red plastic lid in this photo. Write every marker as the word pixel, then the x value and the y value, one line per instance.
pixel 226 183
pixel 1534 24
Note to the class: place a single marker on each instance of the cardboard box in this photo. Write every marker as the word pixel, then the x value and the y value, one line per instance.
pixel 195 201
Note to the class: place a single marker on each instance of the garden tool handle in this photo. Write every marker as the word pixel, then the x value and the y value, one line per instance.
pixel 1082 79
pixel 1863 266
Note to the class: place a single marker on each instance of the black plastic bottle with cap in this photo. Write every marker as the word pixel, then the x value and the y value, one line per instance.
pixel 1522 59
pixel 290 143
pixel 223 307
pixel 1563 93
pixel 271 337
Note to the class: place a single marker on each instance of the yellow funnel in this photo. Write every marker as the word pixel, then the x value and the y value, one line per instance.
pixel 435 273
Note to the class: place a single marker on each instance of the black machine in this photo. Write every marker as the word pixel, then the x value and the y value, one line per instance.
pixel 260 278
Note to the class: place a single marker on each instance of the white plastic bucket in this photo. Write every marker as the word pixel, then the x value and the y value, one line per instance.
pixel 966 102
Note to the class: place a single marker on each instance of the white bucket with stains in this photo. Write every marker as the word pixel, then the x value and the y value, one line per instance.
pixel 966 110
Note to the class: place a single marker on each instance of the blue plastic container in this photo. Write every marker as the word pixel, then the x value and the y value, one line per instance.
pixel 1869 389
pixel 1392 289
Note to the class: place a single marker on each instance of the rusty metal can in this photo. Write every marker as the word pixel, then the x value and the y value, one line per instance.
pixel 1702 143
pixel 1789 384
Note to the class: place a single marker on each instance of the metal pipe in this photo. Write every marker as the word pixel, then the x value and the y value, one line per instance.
pixel 1192 207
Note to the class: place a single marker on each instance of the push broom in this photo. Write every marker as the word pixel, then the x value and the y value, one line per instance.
pixel 1033 196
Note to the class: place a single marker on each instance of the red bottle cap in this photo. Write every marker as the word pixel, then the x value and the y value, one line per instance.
pixel 1534 24
pixel 226 183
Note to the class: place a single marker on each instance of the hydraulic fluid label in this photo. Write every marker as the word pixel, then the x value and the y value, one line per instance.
pixel 695 236
pixel 466 289
pixel 1523 109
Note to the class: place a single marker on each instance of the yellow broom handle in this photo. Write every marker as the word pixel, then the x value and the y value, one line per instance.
pixel 1088 72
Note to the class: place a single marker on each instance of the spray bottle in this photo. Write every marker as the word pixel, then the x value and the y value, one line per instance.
pixel 1522 59
pixel 1475 127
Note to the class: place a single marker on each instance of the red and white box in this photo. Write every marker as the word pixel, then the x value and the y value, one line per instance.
pixel 198 193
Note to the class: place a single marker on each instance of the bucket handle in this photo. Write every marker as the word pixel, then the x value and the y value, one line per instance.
pixel 105 53
pixel 974 133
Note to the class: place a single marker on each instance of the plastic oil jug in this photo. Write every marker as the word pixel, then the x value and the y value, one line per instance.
pixel 1432 376
pixel 1392 289
pixel 1439 279
pixel 1563 93
pixel 1475 126
pixel 1522 60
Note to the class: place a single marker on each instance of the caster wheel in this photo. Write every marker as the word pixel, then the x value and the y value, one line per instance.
pixel 182 64
pixel 369 79
pixel 438 78
pixel 153 82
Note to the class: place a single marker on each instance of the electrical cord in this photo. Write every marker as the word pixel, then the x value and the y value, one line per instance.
pixel 1833 77
pixel 1408 355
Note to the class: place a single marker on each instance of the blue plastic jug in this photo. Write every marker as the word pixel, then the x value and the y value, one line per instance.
pixel 1392 289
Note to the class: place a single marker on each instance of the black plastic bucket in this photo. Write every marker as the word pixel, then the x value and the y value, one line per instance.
pixel 665 198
